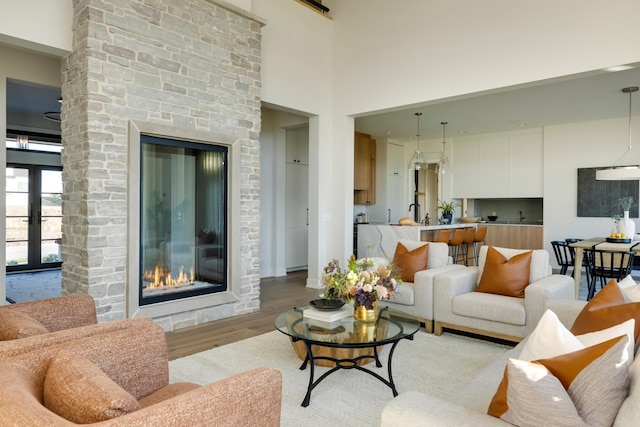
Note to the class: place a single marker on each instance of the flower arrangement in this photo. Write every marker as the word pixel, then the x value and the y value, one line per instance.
pixel 362 283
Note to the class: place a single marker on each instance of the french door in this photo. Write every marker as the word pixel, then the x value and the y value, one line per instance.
pixel 33 217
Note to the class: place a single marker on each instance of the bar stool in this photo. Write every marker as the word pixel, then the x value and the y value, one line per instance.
pixel 454 244
pixel 443 236
pixel 467 240
pixel 481 233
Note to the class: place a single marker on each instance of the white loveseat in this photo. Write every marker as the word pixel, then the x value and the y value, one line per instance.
pixel 458 306
pixel 417 298
pixel 468 406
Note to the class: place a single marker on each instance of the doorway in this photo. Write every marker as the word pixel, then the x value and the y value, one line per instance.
pixel 33 217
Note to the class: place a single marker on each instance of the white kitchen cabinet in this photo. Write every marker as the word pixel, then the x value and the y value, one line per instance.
pixel 296 216
pixel 466 168
pixel 526 159
pixel 395 204
pixel 395 160
pixel 298 145
pixel 508 164
pixel 390 188
pixel 494 167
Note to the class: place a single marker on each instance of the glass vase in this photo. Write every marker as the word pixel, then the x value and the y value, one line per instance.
pixel 627 227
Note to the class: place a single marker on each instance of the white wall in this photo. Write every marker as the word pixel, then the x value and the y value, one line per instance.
pixel 390 54
pixel 297 74
pixel 581 145
pixel 40 25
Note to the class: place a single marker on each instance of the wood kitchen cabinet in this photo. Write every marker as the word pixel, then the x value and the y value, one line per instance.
pixel 515 236
pixel 364 170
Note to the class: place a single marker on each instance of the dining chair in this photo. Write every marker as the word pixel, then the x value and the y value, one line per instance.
pixel 564 256
pixel 570 240
pixel 604 265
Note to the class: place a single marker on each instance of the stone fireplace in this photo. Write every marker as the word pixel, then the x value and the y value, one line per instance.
pixel 157 98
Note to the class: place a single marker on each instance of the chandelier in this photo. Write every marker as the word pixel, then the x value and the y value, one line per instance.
pixel 443 164
pixel 417 159
pixel 616 172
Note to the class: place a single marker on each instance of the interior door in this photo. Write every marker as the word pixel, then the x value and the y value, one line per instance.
pixel 33 217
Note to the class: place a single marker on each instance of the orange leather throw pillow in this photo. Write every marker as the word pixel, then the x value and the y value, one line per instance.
pixel 607 308
pixel 504 276
pixel 410 262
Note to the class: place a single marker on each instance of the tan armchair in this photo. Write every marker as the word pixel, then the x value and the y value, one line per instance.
pixel 136 360
pixel 57 314
pixel 457 305
pixel 416 298
pixel 38 324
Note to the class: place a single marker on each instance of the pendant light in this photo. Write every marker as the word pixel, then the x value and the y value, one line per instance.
pixel 417 159
pixel 443 164
pixel 621 173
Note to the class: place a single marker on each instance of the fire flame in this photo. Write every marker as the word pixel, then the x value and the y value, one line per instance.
pixel 160 277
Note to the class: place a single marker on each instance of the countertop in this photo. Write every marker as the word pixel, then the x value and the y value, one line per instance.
pixel 459 225
pixel 530 224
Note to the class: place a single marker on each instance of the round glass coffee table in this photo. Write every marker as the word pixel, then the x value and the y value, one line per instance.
pixel 347 343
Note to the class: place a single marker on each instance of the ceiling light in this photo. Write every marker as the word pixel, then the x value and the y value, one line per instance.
pixel 54 116
pixel 417 159
pixel 616 172
pixel 443 164
pixel 619 68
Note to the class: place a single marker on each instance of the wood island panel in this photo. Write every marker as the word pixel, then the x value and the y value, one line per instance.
pixel 515 236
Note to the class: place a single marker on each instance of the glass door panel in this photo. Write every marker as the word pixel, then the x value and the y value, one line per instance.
pixel 50 216
pixel 33 217
pixel 18 215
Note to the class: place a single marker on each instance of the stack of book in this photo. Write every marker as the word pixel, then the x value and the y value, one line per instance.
pixel 328 316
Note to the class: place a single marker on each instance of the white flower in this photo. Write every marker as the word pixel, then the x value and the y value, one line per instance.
pixel 352 277
pixel 367 288
pixel 382 292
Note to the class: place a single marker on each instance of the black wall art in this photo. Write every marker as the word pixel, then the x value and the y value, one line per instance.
pixel 602 198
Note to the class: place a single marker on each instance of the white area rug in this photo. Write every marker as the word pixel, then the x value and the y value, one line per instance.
pixel 431 364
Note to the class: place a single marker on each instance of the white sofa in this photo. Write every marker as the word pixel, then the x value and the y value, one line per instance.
pixel 458 306
pixel 417 298
pixel 468 406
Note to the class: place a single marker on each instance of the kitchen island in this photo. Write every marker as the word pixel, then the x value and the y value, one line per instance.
pixel 383 238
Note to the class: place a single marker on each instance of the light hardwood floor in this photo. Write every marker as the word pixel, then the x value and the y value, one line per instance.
pixel 277 294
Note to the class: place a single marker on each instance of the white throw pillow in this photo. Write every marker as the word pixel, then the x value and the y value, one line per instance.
pixel 630 289
pixel 551 338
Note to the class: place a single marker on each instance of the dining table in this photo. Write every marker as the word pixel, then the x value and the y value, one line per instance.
pixel 597 243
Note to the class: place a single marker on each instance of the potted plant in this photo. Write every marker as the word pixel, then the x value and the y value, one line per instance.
pixel 447 210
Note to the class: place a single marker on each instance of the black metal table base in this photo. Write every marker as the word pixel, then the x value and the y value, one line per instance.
pixel 347 364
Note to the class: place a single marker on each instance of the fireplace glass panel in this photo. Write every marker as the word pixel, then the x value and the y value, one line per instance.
pixel 183 191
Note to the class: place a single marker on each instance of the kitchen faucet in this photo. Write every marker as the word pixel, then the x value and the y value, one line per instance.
pixel 521 217
pixel 416 211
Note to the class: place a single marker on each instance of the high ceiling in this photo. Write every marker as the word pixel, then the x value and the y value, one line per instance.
pixel 586 97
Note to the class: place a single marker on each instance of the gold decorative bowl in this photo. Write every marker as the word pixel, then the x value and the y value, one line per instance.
pixel 469 219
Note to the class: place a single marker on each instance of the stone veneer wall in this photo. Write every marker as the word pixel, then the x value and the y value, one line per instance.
pixel 190 64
